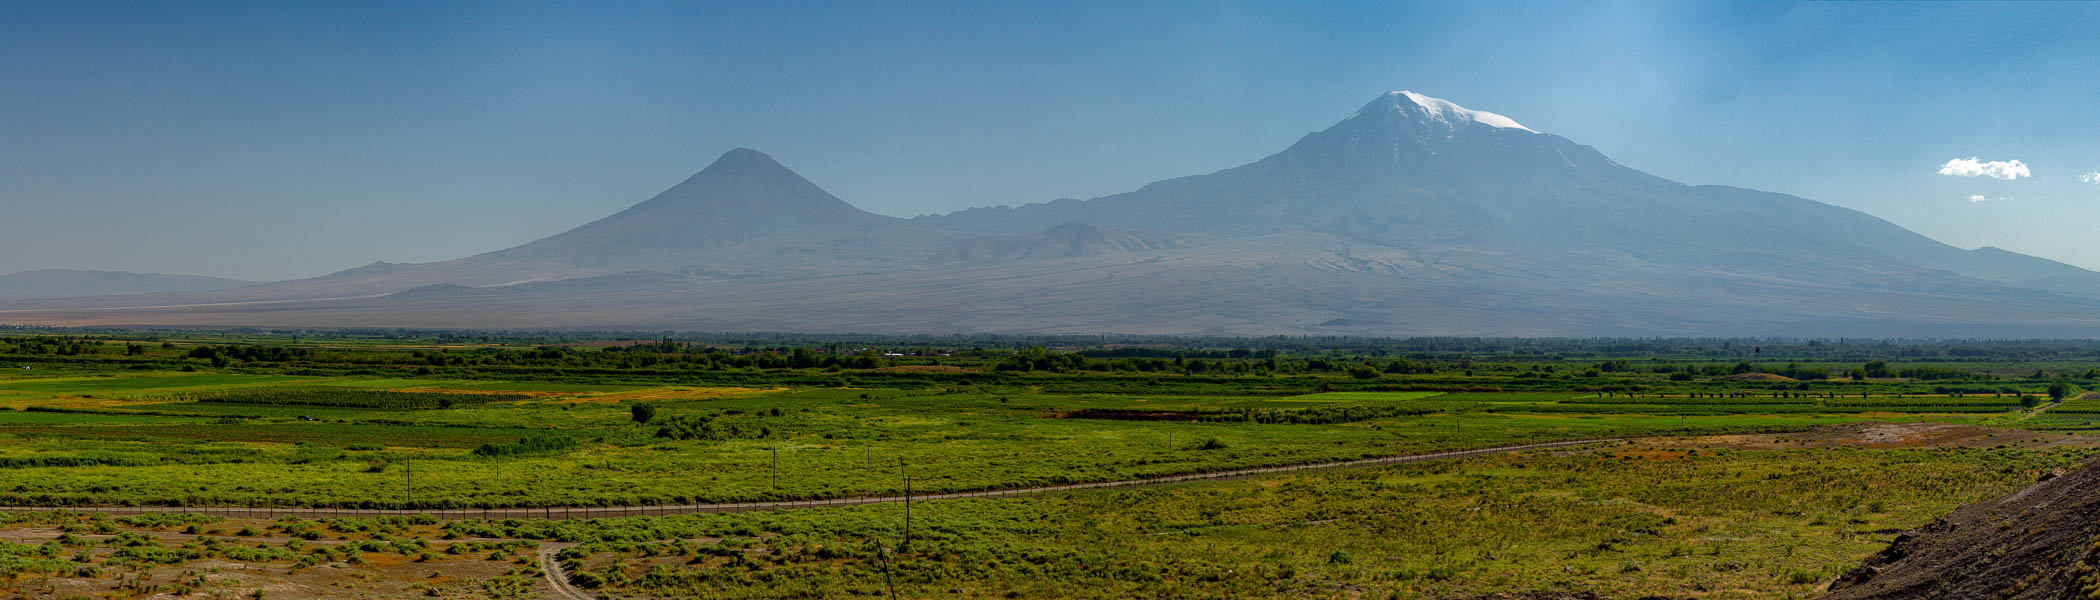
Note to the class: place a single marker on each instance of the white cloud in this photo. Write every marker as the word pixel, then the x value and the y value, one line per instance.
pixel 1997 169
pixel 2093 177
pixel 1978 198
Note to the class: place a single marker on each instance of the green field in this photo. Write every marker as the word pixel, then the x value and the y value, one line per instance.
pixel 346 441
pixel 1734 524
pixel 208 422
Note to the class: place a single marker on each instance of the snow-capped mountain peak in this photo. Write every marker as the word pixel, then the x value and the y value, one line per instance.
pixel 1451 113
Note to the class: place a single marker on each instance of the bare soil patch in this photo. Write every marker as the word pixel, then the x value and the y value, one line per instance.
pixel 1880 436
pixel 375 575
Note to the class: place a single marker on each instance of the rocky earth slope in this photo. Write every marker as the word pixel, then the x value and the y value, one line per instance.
pixel 2042 542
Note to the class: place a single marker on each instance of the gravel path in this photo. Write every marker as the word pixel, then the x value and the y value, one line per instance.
pixel 558 578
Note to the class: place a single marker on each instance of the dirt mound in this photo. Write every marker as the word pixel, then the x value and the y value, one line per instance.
pixel 2036 543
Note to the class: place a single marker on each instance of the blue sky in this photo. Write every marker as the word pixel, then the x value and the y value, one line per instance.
pixel 273 140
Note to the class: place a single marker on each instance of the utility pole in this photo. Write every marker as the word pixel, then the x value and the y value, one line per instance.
pixel 907 500
pixel 884 555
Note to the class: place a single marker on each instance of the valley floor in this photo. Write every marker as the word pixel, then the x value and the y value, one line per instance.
pixel 1728 516
pixel 359 474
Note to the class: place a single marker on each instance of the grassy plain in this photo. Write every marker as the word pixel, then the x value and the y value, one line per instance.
pixel 1624 522
pixel 165 438
pixel 209 421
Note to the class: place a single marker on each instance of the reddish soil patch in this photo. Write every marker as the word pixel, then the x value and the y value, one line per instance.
pixel 1758 377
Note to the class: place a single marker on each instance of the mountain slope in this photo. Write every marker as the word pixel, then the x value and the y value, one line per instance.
pixel 69 283
pixel 745 206
pixel 1069 240
pixel 1416 172
pixel 744 216
pixel 1412 216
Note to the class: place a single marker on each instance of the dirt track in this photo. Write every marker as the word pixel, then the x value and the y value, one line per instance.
pixel 556 576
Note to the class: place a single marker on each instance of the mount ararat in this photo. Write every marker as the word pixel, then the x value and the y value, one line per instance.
pixel 1413 216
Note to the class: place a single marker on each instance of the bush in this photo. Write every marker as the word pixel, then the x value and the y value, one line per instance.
pixel 689 428
pixel 538 445
pixel 2059 390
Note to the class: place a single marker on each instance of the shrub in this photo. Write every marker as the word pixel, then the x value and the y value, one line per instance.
pixel 537 445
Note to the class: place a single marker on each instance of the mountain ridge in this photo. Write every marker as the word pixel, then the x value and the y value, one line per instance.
pixel 744 202
pixel 1067 240
pixel 1413 215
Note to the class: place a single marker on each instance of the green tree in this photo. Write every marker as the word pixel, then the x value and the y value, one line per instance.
pixel 643 413
pixel 1876 368
pixel 802 358
pixel 2058 391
